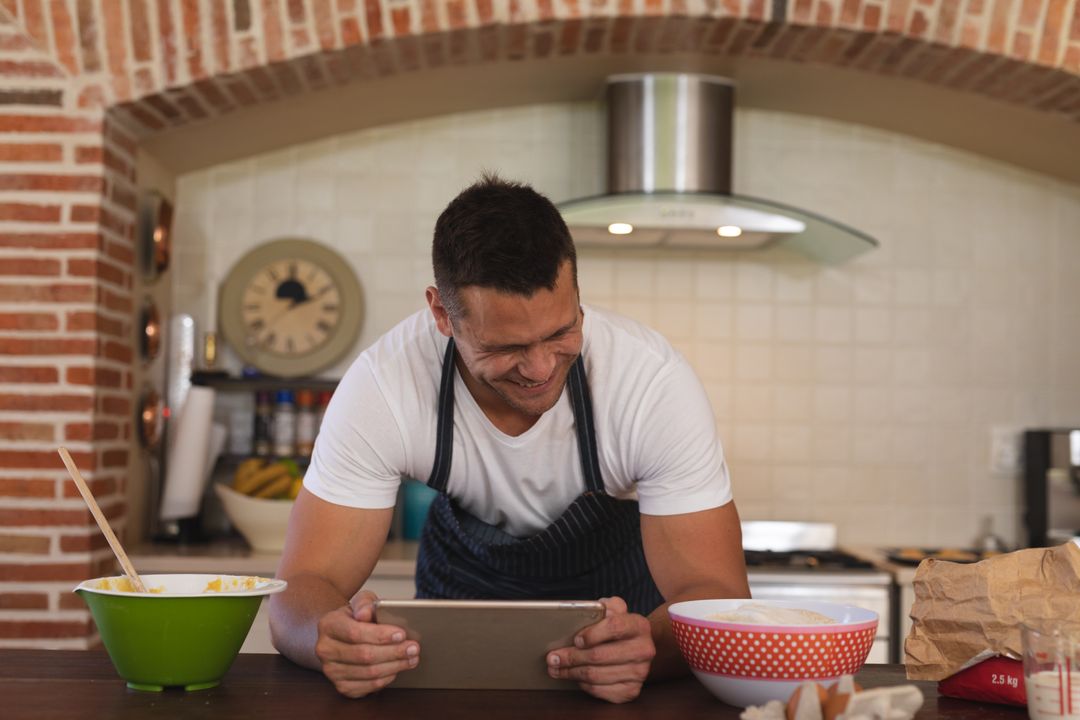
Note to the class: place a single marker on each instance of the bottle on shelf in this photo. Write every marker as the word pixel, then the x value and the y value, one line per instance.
pixel 284 435
pixel 305 423
pixel 262 443
pixel 241 440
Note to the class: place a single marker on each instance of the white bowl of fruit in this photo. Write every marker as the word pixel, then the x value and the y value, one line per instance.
pixel 260 499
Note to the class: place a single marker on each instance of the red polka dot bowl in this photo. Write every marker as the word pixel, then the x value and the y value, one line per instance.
pixel 751 664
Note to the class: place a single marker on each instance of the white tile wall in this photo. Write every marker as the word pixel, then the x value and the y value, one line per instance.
pixel 861 394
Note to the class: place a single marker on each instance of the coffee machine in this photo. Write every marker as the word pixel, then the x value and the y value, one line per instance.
pixel 1051 486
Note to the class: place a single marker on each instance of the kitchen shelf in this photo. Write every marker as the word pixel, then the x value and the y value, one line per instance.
pixel 228 383
pixel 231 460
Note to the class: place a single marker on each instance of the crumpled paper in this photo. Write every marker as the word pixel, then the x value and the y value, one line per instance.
pixel 964 614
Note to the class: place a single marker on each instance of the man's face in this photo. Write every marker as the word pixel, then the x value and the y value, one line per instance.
pixel 517 349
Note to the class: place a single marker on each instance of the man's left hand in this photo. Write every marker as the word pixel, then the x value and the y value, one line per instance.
pixel 610 659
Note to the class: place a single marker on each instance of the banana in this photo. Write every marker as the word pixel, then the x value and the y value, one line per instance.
pixel 275 487
pixel 251 464
pixel 253 483
pixel 297 483
pixel 246 469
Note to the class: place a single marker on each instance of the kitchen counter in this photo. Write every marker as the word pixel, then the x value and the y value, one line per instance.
pixel 234 557
pixel 73 685
pixel 398 559
pixel 393 576
pixel 904 575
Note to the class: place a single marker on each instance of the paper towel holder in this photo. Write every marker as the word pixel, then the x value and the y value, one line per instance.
pixel 191 455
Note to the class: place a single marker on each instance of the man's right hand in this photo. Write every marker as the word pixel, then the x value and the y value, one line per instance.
pixel 359 656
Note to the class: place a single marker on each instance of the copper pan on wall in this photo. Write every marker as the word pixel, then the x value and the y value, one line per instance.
pixel 149 419
pixel 155 235
pixel 149 331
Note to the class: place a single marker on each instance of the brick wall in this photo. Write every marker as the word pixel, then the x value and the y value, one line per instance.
pixel 66 189
pixel 84 80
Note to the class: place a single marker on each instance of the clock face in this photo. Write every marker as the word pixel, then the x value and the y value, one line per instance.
pixel 290 307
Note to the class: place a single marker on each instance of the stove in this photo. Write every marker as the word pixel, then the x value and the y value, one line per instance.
pixel 814 560
pixel 800 561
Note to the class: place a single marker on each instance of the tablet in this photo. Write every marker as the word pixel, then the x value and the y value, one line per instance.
pixel 487 644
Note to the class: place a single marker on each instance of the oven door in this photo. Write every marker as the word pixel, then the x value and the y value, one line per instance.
pixel 871 597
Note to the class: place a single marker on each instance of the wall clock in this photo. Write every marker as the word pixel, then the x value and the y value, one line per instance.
pixel 290 307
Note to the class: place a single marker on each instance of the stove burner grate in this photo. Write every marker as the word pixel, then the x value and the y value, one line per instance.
pixel 806 560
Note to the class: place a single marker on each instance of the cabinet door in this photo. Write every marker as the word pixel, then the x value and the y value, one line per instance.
pixel 397 588
pixel 258 639
pixel 907 599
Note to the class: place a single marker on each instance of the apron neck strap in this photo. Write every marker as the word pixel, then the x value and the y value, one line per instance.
pixel 586 430
pixel 444 434
pixel 580 400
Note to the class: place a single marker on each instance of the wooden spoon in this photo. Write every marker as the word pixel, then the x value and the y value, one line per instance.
pixel 117 548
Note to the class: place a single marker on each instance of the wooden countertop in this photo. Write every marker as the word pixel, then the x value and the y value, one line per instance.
pixel 77 685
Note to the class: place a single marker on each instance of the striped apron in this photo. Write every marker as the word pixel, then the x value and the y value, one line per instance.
pixel 592 550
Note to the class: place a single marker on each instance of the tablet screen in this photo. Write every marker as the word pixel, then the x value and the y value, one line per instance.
pixel 487 644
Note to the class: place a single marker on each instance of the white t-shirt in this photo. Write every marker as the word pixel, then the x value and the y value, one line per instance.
pixel 655 431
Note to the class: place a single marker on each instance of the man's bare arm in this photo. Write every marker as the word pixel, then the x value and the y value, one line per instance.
pixel 694 555
pixel 691 556
pixel 330 551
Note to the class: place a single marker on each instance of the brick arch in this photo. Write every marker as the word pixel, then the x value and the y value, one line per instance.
pixel 85 80
pixel 165 63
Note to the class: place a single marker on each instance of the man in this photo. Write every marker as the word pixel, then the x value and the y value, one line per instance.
pixel 538 421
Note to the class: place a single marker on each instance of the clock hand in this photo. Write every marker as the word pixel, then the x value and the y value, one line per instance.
pixel 294 301
pixel 262 335
pixel 280 313
pixel 316 296
pixel 295 305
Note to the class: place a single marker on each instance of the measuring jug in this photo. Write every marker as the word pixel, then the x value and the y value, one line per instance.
pixel 1052 672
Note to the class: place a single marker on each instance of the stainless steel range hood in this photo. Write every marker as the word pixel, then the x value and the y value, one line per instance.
pixel 669 178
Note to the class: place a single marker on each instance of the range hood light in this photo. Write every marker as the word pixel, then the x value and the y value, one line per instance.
pixel 669 150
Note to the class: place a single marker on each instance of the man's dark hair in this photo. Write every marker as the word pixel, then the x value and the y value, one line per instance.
pixel 499 234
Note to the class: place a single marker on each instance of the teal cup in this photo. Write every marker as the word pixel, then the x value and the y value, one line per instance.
pixel 415 506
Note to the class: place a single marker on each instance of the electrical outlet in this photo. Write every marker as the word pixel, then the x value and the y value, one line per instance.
pixel 1006 450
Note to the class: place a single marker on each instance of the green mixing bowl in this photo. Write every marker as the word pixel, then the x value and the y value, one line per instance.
pixel 186 631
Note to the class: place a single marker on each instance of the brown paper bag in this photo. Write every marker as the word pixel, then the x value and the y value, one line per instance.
pixel 964 614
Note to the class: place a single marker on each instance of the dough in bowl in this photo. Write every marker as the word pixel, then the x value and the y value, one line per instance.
pixel 757 614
